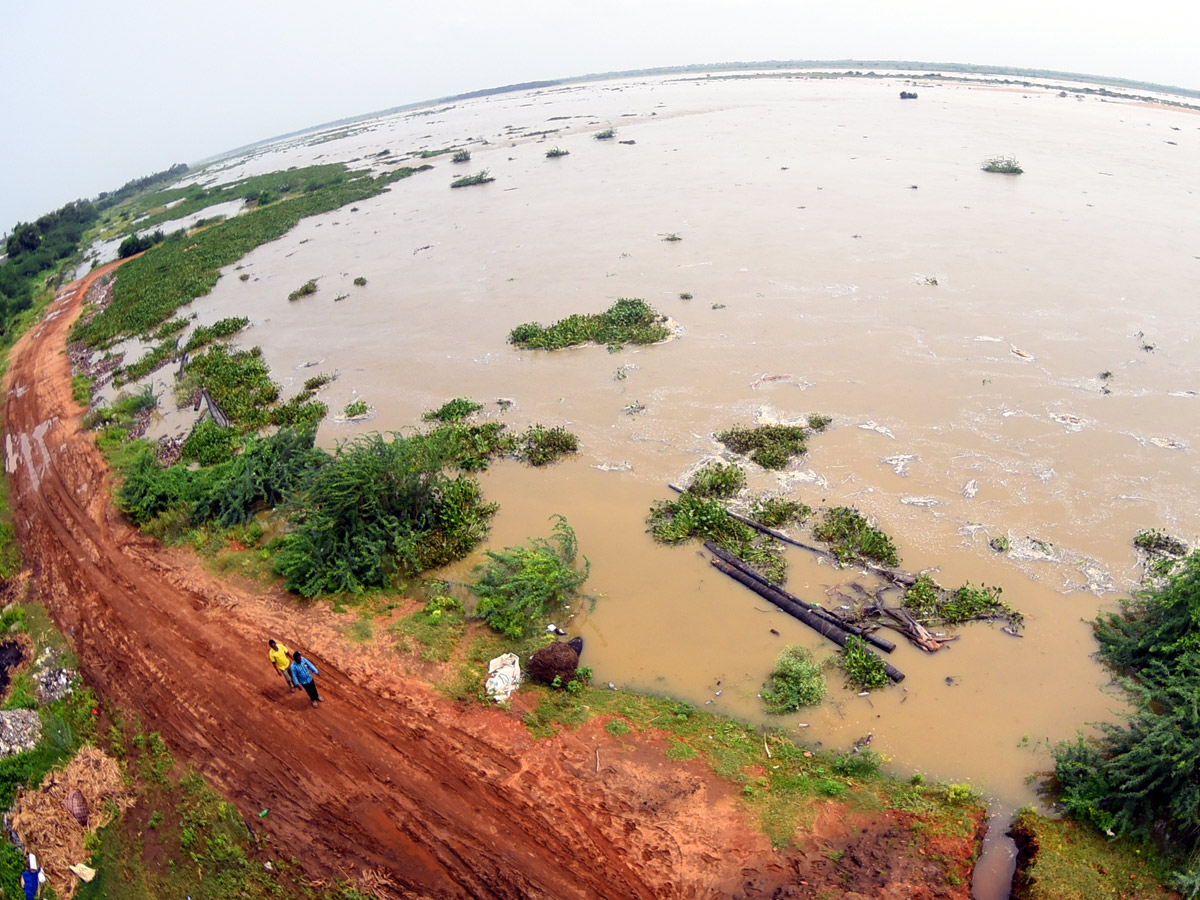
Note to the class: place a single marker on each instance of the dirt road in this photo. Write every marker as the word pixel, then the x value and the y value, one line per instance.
pixel 385 777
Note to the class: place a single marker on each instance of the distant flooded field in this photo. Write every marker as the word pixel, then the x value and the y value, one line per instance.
pixel 1001 355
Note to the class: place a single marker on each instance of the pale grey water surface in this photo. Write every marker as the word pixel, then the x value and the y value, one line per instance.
pixel 815 215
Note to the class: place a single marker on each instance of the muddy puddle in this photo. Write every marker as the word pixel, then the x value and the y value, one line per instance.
pixel 845 255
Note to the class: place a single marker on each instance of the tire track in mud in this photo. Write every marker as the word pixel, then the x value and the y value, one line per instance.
pixel 437 800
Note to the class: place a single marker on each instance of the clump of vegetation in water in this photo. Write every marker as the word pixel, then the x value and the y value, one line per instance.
pixel 685 295
pixel 239 383
pixel 775 512
pixel 771 446
pixel 223 328
pixel 1004 165
pixel 718 480
pixel 539 445
pixel 453 410
pixel 796 681
pixel 932 605
pixel 461 156
pixel 305 290
pixel 125 409
pixel 360 281
pixel 690 515
pixel 851 537
pixel 628 321
pixel 557 152
pixel 1159 542
pixel 153 360
pixel 356 408
pixel 672 237
pixel 1000 543
pixel 317 381
pixel 480 177
pixel 862 667
pixel 1139 778
pixel 521 588
pixel 606 134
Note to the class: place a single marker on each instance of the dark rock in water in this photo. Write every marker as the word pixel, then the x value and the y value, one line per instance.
pixel 554 660
pixel 576 644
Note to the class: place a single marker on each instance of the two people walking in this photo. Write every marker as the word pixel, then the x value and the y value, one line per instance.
pixel 295 669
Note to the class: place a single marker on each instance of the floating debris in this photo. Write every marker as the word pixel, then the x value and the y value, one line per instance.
pixel 872 425
pixel 983 338
pixel 970 489
pixel 1020 354
pixel 770 379
pixel 1168 444
pixel 920 501
pixel 1070 422
pixel 899 463
pixel 622 466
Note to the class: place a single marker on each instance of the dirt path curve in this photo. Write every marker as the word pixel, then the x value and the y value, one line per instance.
pixel 385 778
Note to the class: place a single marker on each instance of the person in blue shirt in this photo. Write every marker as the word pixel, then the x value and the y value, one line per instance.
pixel 29 881
pixel 302 672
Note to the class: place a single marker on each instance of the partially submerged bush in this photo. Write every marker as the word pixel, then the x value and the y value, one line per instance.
pixel 1004 165
pixel 862 667
pixel 718 480
pixel 453 410
pixel 605 135
pixel 308 288
pixel 208 444
pixel 1157 542
pixel 520 588
pixel 481 177
pixel 675 521
pixel 539 445
pixel 628 321
pixel 356 408
pixel 796 681
pixel 775 512
pixel 461 156
pixel 851 536
pixel 771 446
pixel 556 152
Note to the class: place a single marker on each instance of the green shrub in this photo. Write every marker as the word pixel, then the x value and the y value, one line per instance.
pixel 360 281
pixel 520 588
pixel 796 681
pixel 356 408
pixel 851 536
pixel 206 334
pixel 556 152
pixel 461 156
pixel 208 443
pixel 605 135
pixel 718 480
pixel 1154 541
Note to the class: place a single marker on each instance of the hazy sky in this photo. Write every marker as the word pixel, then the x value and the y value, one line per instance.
pixel 99 92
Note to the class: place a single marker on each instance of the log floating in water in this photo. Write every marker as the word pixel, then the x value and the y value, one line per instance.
pixel 821 626
pixel 882 643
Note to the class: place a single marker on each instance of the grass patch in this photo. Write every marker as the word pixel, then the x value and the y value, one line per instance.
pixel 223 328
pixel 480 177
pixel 1004 165
pixel 81 389
pixel 852 537
pixel 1070 862
pixel 437 627
pixel 628 321
pixel 796 681
pixel 771 446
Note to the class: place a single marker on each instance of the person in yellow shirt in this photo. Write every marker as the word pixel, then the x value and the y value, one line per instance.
pixel 280 658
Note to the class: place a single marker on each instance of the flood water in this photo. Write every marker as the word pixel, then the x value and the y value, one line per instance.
pixel 815 217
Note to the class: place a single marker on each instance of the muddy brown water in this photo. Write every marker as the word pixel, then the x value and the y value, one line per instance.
pixel 815 217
